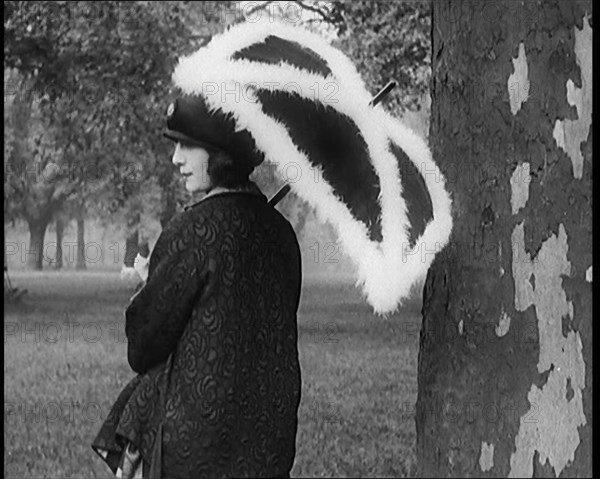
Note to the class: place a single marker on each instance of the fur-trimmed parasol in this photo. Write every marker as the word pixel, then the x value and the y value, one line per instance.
pixel 304 103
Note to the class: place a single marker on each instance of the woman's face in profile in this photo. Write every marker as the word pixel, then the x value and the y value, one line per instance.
pixel 192 162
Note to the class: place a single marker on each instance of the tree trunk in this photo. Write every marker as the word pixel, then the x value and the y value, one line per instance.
pixel 60 229
pixel 170 207
pixel 81 264
pixel 168 184
pixel 133 235
pixel 5 253
pixel 505 372
pixel 131 249
pixel 35 253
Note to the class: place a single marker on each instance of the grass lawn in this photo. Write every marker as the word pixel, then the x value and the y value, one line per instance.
pixel 65 362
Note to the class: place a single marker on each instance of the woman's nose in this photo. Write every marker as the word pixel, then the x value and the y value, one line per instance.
pixel 177 157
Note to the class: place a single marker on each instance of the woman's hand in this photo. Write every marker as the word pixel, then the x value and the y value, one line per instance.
pixel 159 312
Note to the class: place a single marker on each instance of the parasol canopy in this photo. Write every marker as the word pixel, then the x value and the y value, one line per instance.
pixel 305 105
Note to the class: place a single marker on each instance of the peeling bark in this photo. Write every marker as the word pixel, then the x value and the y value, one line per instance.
pixel 510 393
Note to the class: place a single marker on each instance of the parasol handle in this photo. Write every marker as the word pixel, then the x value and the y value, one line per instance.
pixel 285 189
pixel 384 91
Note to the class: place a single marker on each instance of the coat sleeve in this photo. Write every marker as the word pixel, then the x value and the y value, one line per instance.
pixel 157 316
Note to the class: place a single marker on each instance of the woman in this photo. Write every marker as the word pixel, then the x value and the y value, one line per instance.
pixel 213 332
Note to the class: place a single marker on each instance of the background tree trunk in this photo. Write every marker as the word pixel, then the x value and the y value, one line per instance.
pixel 169 186
pixel 35 253
pixel 81 264
pixel 60 229
pixel 132 243
pixel 131 248
pixel 505 372
pixel 169 210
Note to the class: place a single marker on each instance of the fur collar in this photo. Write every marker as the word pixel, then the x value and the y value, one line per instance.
pixel 248 188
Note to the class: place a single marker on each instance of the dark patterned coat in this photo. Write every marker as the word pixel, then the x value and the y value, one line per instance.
pixel 220 303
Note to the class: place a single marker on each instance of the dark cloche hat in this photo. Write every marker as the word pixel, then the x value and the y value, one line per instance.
pixel 189 121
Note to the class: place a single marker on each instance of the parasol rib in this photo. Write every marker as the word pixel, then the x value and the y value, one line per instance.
pixel 285 189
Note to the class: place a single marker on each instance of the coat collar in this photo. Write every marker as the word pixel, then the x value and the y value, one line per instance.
pixel 248 188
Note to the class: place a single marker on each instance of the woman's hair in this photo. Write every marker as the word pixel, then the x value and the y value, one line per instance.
pixel 225 171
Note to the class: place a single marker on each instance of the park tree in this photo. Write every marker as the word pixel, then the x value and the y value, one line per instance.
pixel 35 190
pixel 99 76
pixel 505 360
pixel 388 40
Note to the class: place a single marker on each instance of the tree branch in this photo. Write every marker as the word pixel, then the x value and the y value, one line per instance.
pixel 257 8
pixel 325 16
